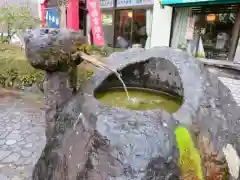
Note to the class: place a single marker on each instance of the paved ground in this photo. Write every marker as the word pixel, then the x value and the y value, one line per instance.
pixel 234 86
pixel 21 135
pixel 22 131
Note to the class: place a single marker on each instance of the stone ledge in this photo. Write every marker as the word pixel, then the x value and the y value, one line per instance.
pixel 221 63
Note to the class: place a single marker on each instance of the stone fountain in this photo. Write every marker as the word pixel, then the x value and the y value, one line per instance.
pixel 87 140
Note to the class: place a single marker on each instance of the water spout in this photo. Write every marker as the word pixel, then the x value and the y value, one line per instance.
pixel 98 63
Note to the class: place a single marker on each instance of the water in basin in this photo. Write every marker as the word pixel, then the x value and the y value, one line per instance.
pixel 140 99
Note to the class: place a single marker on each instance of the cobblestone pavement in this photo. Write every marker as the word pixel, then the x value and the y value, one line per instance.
pixel 234 86
pixel 21 136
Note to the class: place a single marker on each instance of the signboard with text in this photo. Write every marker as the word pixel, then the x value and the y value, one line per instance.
pixel 107 19
pixel 106 3
pixel 53 18
pixel 173 2
pixel 122 3
pixel 96 22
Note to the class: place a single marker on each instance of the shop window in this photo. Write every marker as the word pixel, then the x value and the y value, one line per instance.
pixel 130 28
pixel 215 33
pixel 83 17
pixel 207 31
pixel 108 28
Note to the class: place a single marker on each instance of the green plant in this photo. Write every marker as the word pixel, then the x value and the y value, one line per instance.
pixel 201 55
pixel 27 80
pixel 182 46
pixel 16 19
pixel 3 79
pixel 15 68
pixel 12 74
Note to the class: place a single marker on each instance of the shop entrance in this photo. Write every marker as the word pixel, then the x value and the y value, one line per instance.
pixel 210 32
pixel 130 28
pixel 214 28
pixel 83 17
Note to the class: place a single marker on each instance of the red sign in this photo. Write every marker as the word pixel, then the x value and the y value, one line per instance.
pixel 43 13
pixel 96 22
pixel 190 28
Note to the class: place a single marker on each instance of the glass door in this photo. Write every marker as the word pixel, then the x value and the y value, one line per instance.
pixel 123 28
pixel 130 28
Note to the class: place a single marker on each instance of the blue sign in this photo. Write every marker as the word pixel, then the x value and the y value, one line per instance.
pixel 53 18
pixel 178 2
pixel 122 3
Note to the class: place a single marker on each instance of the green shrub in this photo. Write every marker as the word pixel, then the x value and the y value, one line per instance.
pixel 15 71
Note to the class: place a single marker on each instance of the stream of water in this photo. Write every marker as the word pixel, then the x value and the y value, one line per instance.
pixel 135 100
pixel 124 85
pixel 102 65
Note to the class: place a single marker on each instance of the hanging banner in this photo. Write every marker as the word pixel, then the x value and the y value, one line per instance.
pixel 190 28
pixel 43 13
pixel 96 22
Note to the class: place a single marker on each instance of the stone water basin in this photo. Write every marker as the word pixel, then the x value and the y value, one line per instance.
pixel 143 143
pixel 92 140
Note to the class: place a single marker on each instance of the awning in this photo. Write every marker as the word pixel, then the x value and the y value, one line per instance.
pixel 196 2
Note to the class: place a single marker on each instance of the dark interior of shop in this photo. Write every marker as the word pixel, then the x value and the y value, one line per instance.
pixel 216 28
pixel 130 27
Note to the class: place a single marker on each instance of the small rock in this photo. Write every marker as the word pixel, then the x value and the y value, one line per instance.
pixel 11 142
pixel 17 113
pixel 17 149
pixel 232 159
pixel 17 126
pixel 3 135
pixel 4 154
pixel 14 137
pixel 26 153
pixel 2 142
pixel 32 138
pixel 16 178
pixel 3 177
pixel 9 128
pixel 16 132
pixel 21 143
pixel 12 158
pixel 29 145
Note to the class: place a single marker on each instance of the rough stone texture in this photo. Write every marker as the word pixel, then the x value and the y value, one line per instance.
pixel 92 141
pixel 51 50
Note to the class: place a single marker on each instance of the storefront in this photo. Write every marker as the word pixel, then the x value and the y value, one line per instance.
pixel 126 22
pixel 206 28
pixel 51 14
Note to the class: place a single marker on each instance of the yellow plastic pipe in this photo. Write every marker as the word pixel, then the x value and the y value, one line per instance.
pixel 189 157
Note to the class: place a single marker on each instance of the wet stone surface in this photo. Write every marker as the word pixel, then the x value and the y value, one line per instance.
pixel 22 137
